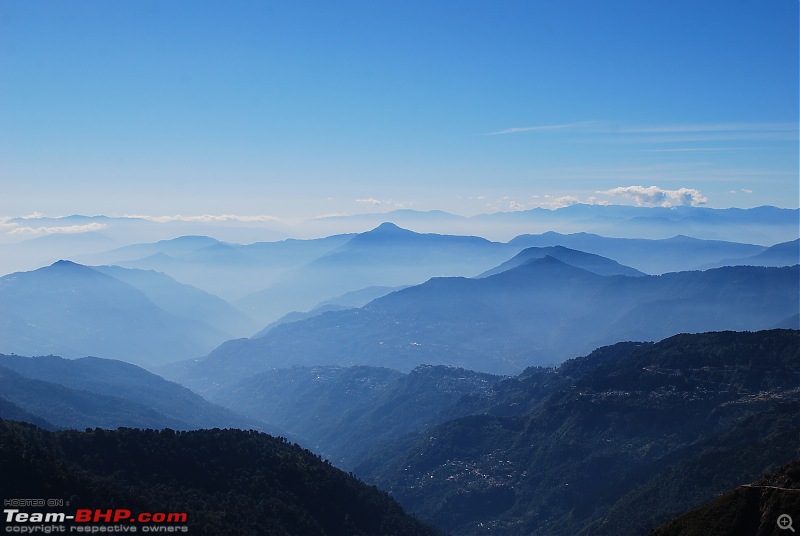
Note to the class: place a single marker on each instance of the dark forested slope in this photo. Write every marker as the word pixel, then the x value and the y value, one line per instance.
pixel 227 481
pixel 750 509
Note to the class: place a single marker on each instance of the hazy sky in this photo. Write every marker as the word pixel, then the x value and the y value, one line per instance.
pixel 298 109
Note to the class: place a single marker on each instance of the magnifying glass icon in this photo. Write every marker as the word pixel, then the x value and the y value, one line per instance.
pixel 785 522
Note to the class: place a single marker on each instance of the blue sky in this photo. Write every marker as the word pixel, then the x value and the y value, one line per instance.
pixel 299 109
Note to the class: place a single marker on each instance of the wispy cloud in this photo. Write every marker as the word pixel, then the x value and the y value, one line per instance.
pixel 370 201
pixel 508 203
pixel 679 132
pixel 206 218
pixel 34 216
pixel 710 127
pixel 373 202
pixel 330 215
pixel 540 128
pixel 554 202
pixel 5 222
pixel 69 229
pixel 657 197
pixel 696 150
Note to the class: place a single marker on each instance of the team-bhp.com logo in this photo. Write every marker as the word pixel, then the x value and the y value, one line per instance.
pixel 93 520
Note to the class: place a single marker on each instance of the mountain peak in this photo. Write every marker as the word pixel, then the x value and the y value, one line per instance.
pixel 389 227
pixel 64 268
pixel 385 231
pixel 65 264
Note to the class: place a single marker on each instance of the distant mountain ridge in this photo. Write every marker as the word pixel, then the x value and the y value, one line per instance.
pixel 348 412
pixel 270 279
pixel 185 300
pixel 675 254
pixel 588 261
pixel 384 256
pixel 65 407
pixel 783 254
pixel 541 312
pixel 199 261
pixel 90 392
pixel 73 310
pixel 760 225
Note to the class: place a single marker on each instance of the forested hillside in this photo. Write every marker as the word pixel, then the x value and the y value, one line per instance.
pixel 612 443
pixel 228 482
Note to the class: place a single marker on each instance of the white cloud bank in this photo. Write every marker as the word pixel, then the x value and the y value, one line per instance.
pixel 552 202
pixel 69 229
pixel 653 196
pixel 372 202
pixel 205 218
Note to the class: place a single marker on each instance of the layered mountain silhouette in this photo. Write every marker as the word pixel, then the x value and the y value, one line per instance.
pixel 91 392
pixel 616 442
pixel 588 261
pixel 430 364
pixel 540 312
pixel 185 300
pixel 227 270
pixel 760 225
pixel 675 254
pixel 349 412
pixel 385 256
pixel 271 279
pixel 348 300
pixel 72 310
pixel 783 254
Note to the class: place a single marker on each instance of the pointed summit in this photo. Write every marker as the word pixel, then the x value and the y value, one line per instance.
pixel 388 227
pixel 65 264
pixel 68 269
pixel 387 231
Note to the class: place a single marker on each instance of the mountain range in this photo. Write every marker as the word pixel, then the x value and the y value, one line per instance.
pixel 618 441
pixel 540 312
pixel 138 316
pixel 90 392
pixel 759 225
pixel 675 254
pixel 349 300
pixel 253 267
pixel 228 270
pixel 588 261
pixel 350 412
pixel 384 256
pixel 436 363
pixel 269 279
pixel 783 254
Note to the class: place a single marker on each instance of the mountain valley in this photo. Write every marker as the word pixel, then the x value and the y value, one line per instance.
pixel 550 384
